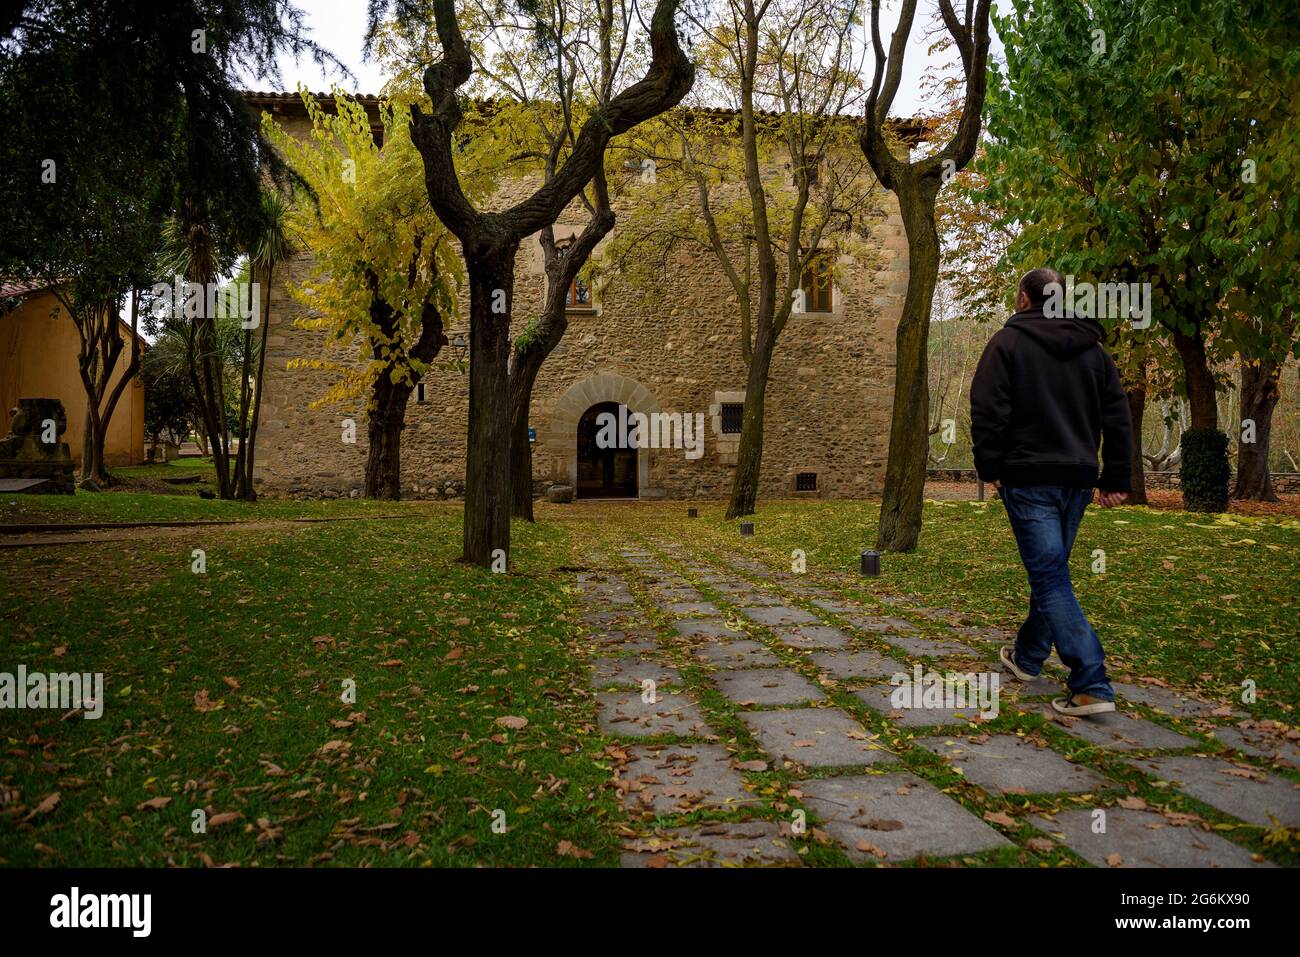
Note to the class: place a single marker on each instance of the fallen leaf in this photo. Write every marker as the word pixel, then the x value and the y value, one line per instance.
pixel 569 849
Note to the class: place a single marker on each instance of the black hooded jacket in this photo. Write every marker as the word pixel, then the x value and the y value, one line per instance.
pixel 1046 395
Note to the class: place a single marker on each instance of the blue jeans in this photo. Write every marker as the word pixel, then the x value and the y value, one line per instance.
pixel 1045 519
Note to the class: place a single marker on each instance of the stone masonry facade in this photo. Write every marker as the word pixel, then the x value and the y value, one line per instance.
pixel 828 398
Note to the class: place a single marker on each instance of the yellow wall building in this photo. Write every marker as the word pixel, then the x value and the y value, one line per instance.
pixel 38 359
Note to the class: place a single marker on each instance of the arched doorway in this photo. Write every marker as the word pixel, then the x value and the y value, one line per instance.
pixel 603 472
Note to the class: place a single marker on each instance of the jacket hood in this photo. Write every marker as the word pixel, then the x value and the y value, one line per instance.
pixel 1063 336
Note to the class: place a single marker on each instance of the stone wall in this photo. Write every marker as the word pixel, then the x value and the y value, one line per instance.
pixel 828 399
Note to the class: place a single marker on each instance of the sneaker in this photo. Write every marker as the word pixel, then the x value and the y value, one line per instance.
pixel 1078 706
pixel 1008 658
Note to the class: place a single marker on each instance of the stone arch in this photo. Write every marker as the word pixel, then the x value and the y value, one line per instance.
pixel 581 396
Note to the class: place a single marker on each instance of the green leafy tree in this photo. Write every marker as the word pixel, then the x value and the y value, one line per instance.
pixel 1143 172
pixel 88 212
pixel 385 276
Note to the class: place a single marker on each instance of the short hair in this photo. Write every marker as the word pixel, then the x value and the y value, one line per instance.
pixel 1036 281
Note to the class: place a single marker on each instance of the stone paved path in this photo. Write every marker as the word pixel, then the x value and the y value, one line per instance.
pixel 756 715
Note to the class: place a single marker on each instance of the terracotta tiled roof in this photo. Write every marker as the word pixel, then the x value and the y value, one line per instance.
pixel 912 127
pixel 9 290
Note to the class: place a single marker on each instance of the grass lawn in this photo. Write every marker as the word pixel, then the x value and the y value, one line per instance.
pixel 1202 602
pixel 223 690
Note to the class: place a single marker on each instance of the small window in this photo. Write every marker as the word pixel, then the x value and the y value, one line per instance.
pixel 578 296
pixel 805 482
pixel 377 132
pixel 419 393
pixel 817 286
pixel 733 416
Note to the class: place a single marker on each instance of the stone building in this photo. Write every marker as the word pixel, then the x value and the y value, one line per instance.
pixel 828 398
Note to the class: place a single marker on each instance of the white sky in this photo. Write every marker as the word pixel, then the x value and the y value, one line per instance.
pixel 340 27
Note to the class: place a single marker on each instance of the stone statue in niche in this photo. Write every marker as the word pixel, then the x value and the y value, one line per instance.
pixel 34 449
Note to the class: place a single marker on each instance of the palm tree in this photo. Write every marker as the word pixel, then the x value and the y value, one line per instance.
pixel 269 245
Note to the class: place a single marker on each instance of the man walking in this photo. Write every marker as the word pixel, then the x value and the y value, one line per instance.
pixel 1046 395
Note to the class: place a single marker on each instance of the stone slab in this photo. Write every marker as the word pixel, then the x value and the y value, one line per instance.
pixel 1005 764
pixel 1163 699
pixel 766 686
pixel 922 646
pixel 981 633
pixel 856 665
pixel 813 636
pixel 897 814
pixel 736 654
pixel 606 672
pixel 755 844
pixel 1261 744
pixel 624 714
pixel 706 628
pixel 877 697
pixel 1142 839
pixel 693 609
pixel 880 624
pixel 779 615
pixel 814 737
pixel 629 641
pixel 1040 687
pixel 1118 731
pixel 1253 798
pixel 679 778
pixel 836 607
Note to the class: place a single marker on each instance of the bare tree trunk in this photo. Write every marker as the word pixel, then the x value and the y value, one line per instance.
pixel 523 375
pixel 1201 396
pixel 562 266
pixel 487 463
pixel 250 492
pixel 901 505
pixel 384 429
pixel 749 453
pixel 1259 397
pixel 1137 404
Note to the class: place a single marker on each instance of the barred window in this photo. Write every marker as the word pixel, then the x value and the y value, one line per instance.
pixel 733 415
pixel 805 482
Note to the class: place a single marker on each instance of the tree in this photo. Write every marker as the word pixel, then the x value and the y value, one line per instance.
pixel 916 184
pixel 271 246
pixel 490 239
pixel 771 188
pixel 384 275
pixel 164 79
pixel 554 62
pixel 168 402
pixel 1145 173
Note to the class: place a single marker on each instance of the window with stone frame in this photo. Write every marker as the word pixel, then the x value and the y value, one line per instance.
pixel 818 285
pixel 577 298
pixel 733 417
